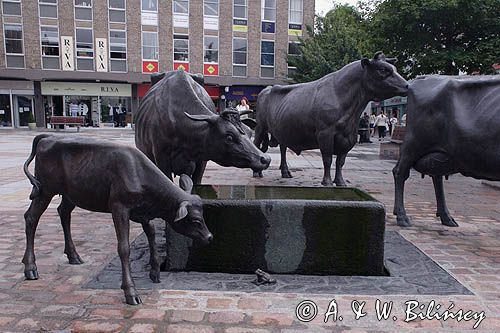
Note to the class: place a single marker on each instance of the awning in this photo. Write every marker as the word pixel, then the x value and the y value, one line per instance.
pixel 212 91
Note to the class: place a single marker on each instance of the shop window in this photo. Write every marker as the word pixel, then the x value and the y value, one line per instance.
pixel 14 52
pixel 11 7
pixel 5 111
pixel 118 50
pixel 211 7
pixel 267 59
pixel 239 57
pixel 83 10
pixel 117 11
pixel 181 7
pixel 181 48
pixel 295 11
pixel 211 49
pixel 149 5
pixel 49 38
pixel 269 10
pixel 84 49
pixel 149 45
pixel 240 9
pixel 48 8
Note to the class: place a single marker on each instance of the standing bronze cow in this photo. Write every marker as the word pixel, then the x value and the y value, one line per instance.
pixel 107 178
pixel 325 113
pixel 453 126
pixel 178 129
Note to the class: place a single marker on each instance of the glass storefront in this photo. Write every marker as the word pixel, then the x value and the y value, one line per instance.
pixel 5 111
pixel 23 106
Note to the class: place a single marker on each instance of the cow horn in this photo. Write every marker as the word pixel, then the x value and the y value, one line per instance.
pixel 392 61
pixel 202 117
pixel 246 112
pixel 379 56
pixel 227 112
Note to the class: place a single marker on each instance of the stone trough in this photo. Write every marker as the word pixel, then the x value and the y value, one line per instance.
pixel 287 230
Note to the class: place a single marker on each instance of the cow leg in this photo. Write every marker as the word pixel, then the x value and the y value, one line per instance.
pixel 154 273
pixel 442 210
pixel 285 172
pixel 198 172
pixel 339 163
pixel 401 172
pixel 122 229
pixel 64 210
pixel 38 205
pixel 327 165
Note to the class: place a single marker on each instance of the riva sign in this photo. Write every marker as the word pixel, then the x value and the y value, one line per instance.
pixel 86 89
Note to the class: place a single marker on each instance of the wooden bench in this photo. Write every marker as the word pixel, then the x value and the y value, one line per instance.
pixel 398 134
pixel 64 120
pixel 390 150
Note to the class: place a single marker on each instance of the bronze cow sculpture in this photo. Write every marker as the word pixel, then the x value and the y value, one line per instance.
pixel 108 178
pixel 324 113
pixel 178 129
pixel 453 126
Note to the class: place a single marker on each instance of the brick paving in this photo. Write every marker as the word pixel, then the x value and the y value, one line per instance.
pixel 58 301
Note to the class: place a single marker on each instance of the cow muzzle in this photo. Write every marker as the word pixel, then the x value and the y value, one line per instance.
pixel 263 163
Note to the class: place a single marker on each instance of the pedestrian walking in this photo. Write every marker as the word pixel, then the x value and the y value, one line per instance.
pixel 381 122
pixel 372 123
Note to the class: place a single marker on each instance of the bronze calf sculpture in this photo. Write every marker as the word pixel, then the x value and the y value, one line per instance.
pixel 108 178
pixel 324 113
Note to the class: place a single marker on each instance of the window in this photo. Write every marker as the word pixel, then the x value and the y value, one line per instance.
pixel 240 9
pixel 11 7
pixel 181 48
pixel 295 12
pixel 150 45
pixel 267 58
pixel 269 10
pixel 211 49
pixel 49 37
pixel 84 49
pixel 117 11
pixel 211 7
pixel 83 10
pixel 293 50
pixel 48 8
pixel 14 52
pixel 239 57
pixel 181 6
pixel 118 50
pixel 149 5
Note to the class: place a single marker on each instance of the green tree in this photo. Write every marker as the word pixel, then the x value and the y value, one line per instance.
pixel 337 39
pixel 437 36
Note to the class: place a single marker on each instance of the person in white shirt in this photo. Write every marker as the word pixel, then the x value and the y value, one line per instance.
pixel 392 124
pixel 243 106
pixel 382 124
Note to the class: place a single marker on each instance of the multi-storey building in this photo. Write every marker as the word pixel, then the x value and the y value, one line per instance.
pixel 95 57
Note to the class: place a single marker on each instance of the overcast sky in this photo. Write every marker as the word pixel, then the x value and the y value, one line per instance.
pixel 323 6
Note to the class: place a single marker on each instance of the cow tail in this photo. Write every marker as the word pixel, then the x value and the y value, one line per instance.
pixel 36 184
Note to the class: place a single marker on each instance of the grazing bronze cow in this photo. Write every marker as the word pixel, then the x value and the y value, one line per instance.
pixel 107 178
pixel 324 113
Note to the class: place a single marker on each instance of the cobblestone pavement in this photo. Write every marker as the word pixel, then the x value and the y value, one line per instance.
pixel 59 301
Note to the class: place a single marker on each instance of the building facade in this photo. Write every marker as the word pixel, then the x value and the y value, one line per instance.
pixel 95 57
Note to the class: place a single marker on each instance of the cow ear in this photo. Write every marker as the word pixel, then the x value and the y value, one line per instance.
pixel 182 212
pixel 365 62
pixel 202 117
pixel 186 183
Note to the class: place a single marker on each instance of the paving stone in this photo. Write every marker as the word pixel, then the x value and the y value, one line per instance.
pixel 272 319
pixel 142 328
pixel 96 326
pixel 187 315
pixel 226 317
pixel 189 329
pixel 149 314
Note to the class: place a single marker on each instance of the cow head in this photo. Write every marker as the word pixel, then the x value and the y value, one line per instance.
pixel 189 220
pixel 228 144
pixel 382 79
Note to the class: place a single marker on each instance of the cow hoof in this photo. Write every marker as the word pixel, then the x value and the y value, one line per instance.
pixel 340 184
pixel 133 300
pixel 75 260
pixel 31 275
pixel 403 221
pixel 154 276
pixel 449 221
pixel 286 174
pixel 327 183
pixel 257 174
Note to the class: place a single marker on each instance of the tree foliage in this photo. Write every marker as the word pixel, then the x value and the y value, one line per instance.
pixel 427 36
pixel 337 39
pixel 439 37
